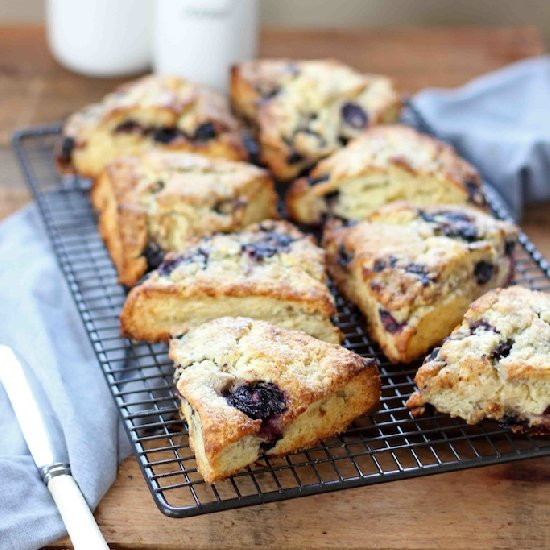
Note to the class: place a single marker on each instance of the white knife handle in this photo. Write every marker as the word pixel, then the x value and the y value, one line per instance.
pixel 79 521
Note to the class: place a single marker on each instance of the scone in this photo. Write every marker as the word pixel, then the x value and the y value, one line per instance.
pixel 383 165
pixel 269 271
pixel 158 202
pixel 248 387
pixel 302 111
pixel 496 364
pixel 414 271
pixel 154 111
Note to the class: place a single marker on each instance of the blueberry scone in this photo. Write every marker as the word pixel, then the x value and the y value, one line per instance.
pixel 496 364
pixel 158 202
pixel 248 387
pixel 154 111
pixel 303 111
pixel 414 271
pixel 268 271
pixel 383 165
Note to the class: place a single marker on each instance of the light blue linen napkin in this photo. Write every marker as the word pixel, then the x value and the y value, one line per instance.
pixel 40 322
pixel 501 123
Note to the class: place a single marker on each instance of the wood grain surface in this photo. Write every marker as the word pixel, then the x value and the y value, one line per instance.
pixel 505 506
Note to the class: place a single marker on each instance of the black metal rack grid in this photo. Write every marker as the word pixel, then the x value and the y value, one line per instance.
pixel 387 445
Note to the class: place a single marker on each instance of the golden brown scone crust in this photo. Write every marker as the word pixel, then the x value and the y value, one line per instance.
pixel 303 110
pixel 270 271
pixel 312 376
pixel 496 364
pixel 164 200
pixel 414 271
pixel 154 111
pixel 384 164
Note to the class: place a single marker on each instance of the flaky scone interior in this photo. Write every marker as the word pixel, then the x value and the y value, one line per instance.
pixel 495 364
pixel 248 387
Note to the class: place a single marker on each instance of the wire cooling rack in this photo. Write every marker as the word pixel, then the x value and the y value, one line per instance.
pixel 385 446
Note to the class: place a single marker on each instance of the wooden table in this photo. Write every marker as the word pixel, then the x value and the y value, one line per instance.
pixel 505 506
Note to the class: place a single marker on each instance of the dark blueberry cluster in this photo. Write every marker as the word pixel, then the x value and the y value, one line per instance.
pixel 420 271
pixel 154 255
pixel 205 132
pixel 344 257
pixel 389 322
pixel 258 400
pixel 195 256
pixel 354 115
pixel 509 247
pixel 483 271
pixel 67 148
pixel 379 265
pixel 268 245
pixel 502 350
pixel 167 134
pixel 455 225
pixel 127 126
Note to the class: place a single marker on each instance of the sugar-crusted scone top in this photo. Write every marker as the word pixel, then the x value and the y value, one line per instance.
pixel 157 177
pixel 409 256
pixel 507 328
pixel 382 146
pixel 155 101
pixel 269 258
pixel 311 104
pixel 222 355
pixel 497 361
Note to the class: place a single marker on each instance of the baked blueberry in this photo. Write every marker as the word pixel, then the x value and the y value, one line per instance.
pixel 205 132
pixel 354 115
pixel 127 126
pixel 483 325
pixel 165 134
pixel 270 244
pixel 378 266
pixel 483 272
pixel 154 255
pixel 389 322
pixel 421 272
pixel 502 350
pixel 258 400
pixel 344 257
pixel 67 148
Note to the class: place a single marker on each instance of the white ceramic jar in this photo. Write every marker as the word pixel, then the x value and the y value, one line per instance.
pixel 101 37
pixel 200 39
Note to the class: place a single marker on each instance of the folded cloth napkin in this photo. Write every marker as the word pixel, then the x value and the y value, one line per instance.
pixel 501 123
pixel 40 322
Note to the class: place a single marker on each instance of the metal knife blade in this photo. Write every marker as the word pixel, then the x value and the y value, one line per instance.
pixel 34 412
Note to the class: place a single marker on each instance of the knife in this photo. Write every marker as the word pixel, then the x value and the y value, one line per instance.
pixel 48 448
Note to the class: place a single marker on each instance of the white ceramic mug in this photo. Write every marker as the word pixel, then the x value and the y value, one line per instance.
pixel 101 37
pixel 200 39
